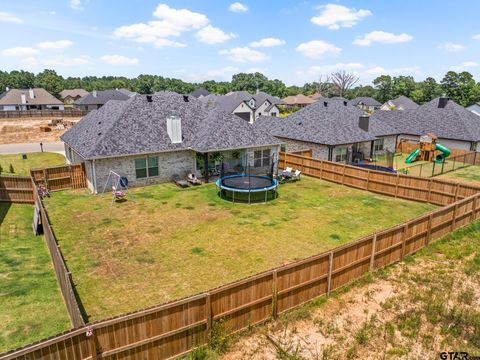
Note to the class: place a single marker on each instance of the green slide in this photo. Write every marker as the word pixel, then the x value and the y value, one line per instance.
pixel 411 158
pixel 445 152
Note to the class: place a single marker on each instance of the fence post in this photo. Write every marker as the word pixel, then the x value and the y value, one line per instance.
pixel 429 229
pixel 274 296
pixel 475 158
pixel 321 169
pixel 474 207
pixel 456 191
pixel 443 165
pixel 208 314
pixel 396 185
pixel 404 241
pixel 329 279
pixel 429 189
pixel 433 168
pixel 91 342
pixel 343 173
pixel 455 160
pixel 368 179
pixel 303 172
pixel 372 257
pixel 454 217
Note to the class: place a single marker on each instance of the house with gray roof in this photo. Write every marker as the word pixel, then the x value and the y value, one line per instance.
pixel 475 108
pixel 332 130
pixel 200 92
pixel 69 96
pixel 455 126
pixel 400 103
pixel 243 104
pixel 29 99
pixel 96 99
pixel 150 138
pixel 365 103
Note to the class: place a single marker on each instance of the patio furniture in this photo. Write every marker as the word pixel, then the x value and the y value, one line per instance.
pixel 179 181
pixel 296 175
pixel 192 179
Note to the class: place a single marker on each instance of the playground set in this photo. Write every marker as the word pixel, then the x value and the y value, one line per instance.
pixel 426 151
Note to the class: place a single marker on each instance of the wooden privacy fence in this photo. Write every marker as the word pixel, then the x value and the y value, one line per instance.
pixel 64 277
pixel 173 329
pixel 41 113
pixel 435 191
pixel 16 189
pixel 61 177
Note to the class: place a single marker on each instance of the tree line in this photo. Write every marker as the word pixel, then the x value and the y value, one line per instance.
pixel 459 86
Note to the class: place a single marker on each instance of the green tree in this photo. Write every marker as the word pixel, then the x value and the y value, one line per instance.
pixel 384 86
pixel 461 87
pixel 50 81
pixel 403 85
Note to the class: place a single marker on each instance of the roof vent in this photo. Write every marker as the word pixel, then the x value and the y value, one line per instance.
pixel 443 101
pixel 174 129
pixel 325 103
pixel 31 94
pixel 94 93
pixel 185 98
pixel 363 122
pixel 149 98
pixel 24 98
pixel 345 102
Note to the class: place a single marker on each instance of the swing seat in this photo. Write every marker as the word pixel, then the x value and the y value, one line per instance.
pixel 118 194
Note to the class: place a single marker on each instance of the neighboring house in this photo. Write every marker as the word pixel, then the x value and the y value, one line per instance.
pixel 29 99
pixel 150 138
pixel 127 92
pixel 331 130
pixel 299 100
pixel 200 92
pixel 365 103
pixel 243 104
pixel 400 103
pixel 69 96
pixel 315 96
pixel 455 126
pixel 475 108
pixel 96 99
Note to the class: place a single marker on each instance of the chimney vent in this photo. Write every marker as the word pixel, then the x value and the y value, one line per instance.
pixel 443 101
pixel 31 94
pixel 149 98
pixel 174 129
pixel 185 98
pixel 325 103
pixel 345 102
pixel 94 93
pixel 24 98
pixel 363 122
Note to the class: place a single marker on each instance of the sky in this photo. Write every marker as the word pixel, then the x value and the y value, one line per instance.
pixel 197 40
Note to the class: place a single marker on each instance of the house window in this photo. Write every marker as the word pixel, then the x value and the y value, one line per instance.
pixel 378 145
pixel 283 148
pixel 340 154
pixel 146 167
pixel 273 114
pixel 261 158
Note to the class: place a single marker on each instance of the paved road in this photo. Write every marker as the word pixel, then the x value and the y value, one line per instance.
pixel 32 147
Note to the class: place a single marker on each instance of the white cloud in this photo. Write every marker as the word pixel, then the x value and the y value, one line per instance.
pixel 213 35
pixel 476 37
pixel 336 16
pixel 465 65
pixel 76 4
pixel 382 37
pixel 451 47
pixel 267 42
pixel 60 44
pixel 238 7
pixel 19 51
pixel 317 49
pixel 10 18
pixel 244 54
pixel 119 60
pixel 52 12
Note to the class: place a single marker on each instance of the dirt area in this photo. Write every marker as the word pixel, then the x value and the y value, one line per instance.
pixel 24 130
pixel 412 311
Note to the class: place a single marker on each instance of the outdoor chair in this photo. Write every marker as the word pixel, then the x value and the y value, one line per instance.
pixel 296 175
pixel 180 182
pixel 192 179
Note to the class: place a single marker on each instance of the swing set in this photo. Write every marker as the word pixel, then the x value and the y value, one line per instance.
pixel 118 184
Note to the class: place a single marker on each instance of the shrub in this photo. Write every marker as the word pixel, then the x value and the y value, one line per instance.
pixel 12 170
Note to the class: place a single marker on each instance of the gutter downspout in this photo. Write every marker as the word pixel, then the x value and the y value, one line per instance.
pixel 94 178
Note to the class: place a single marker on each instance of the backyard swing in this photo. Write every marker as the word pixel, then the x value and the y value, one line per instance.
pixel 119 185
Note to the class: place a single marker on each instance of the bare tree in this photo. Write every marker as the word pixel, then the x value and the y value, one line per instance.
pixel 343 81
pixel 323 85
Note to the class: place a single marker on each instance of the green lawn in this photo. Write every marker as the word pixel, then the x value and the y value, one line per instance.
pixel 469 174
pixel 31 305
pixel 34 160
pixel 164 243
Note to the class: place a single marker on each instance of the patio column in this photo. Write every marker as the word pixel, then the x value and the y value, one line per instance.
pixel 205 164
pixel 372 148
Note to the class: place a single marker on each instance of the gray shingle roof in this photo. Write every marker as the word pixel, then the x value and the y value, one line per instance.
pixel 261 97
pixel 451 122
pixel 137 126
pixel 101 97
pixel 334 124
pixel 40 97
pixel 365 100
pixel 200 92
pixel 402 103
pixel 232 100
pixel 73 93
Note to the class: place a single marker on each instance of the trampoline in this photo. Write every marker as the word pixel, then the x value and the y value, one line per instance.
pixel 247 188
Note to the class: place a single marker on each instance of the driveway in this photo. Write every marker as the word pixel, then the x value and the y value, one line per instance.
pixel 32 147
